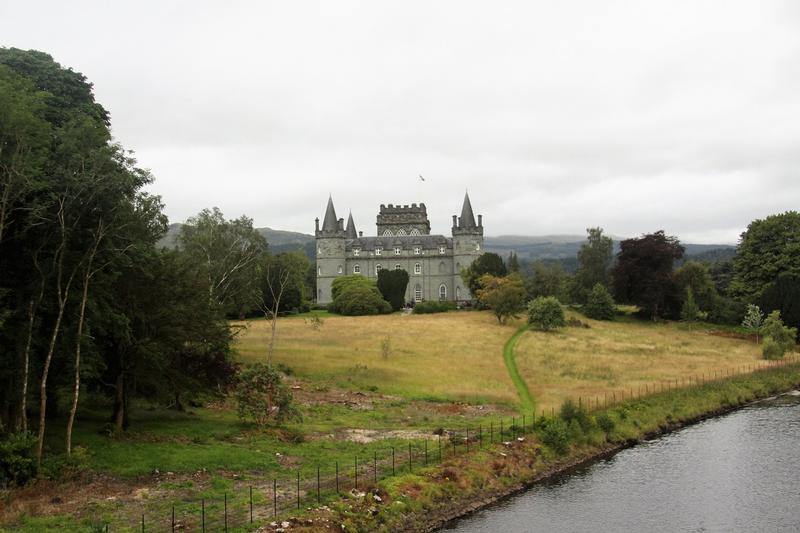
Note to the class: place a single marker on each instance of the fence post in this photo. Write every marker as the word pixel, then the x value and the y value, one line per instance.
pixel 356 471
pixel 466 440
pixel 409 457
pixel 393 472
pixel 225 510
pixel 480 437
pixel 491 432
pixel 203 514
pixel 142 522
pixel 337 477
pixel 523 424
pixel 251 504
pixel 375 467
pixel 173 519
pixel 440 447
pixel 274 497
pixel 298 489
pixel 426 452
pixel 501 429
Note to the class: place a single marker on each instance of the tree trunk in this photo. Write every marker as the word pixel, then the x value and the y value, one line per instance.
pixel 23 408
pixel 120 415
pixel 43 383
pixel 77 383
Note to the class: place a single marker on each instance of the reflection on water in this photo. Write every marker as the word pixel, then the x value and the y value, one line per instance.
pixel 739 472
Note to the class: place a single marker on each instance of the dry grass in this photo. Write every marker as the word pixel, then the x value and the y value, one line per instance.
pixel 617 357
pixel 448 356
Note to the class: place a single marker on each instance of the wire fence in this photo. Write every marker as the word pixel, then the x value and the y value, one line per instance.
pixel 270 499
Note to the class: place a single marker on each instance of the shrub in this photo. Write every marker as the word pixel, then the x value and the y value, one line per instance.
pixel 606 423
pixel 690 312
pixel 433 307
pixel 545 313
pixel 261 396
pixel 778 339
pixel 599 304
pixel 570 412
pixel 555 435
pixel 357 295
pixel 17 459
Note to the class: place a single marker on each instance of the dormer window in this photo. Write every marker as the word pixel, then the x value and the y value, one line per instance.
pixel 397 250
pixel 378 251
pixel 442 250
pixel 417 250
pixel 356 251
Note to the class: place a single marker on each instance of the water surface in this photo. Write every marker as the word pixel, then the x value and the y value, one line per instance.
pixel 738 472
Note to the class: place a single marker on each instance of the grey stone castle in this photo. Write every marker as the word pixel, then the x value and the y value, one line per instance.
pixel 403 241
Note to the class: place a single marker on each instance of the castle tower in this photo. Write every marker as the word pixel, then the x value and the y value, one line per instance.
pixel 330 242
pixel 467 245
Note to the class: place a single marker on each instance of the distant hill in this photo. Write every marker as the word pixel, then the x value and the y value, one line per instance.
pixel 551 248
pixel 278 240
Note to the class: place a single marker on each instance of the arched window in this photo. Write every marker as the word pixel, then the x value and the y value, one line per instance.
pixel 477 247
pixel 377 269
pixel 340 269
pixel 418 293
pixel 397 266
pixel 415 232
pixel 319 271
pixel 442 267
pixel 401 232
pixel 387 233
pixel 458 293
pixel 356 269
pixel 443 292
pixel 417 268
pixel 442 250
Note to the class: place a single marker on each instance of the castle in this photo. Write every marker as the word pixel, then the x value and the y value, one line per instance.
pixel 403 241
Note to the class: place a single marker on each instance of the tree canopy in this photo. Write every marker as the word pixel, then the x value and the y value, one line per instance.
pixel 594 262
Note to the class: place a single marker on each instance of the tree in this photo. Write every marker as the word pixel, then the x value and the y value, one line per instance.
pixel 513 262
pixel 229 251
pixel 767 249
pixel 783 295
pixel 594 261
pixel 357 295
pixel 487 263
pixel 599 304
pixel 643 273
pixel 695 276
pixel 690 312
pixel 504 296
pixel 546 280
pixel 545 313
pixel 778 338
pixel 392 284
pixel 753 320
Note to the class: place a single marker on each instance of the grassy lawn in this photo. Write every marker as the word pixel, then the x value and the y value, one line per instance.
pixel 615 357
pixel 441 357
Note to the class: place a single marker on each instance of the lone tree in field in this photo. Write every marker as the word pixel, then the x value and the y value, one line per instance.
pixel 545 313
pixel 753 320
pixel 778 339
pixel 504 296
pixel 261 396
pixel 392 284
pixel 643 273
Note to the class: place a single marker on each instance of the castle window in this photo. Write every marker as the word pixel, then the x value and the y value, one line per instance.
pixel 458 293
pixel 319 271
pixel 397 266
pixel 415 232
pixel 378 251
pixel 442 267
pixel 416 250
pixel 377 269
pixel 319 250
pixel 401 232
pixel 340 269
pixel 477 247
pixel 356 251
pixel 397 250
pixel 417 268
pixel 442 250
pixel 418 293
pixel 356 269
pixel 387 233
pixel 443 292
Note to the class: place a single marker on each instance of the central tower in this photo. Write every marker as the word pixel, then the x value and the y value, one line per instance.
pixel 395 220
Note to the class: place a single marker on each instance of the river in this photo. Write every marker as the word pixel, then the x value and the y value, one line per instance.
pixel 738 472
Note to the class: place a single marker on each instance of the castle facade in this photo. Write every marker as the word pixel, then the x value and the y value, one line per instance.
pixel 403 241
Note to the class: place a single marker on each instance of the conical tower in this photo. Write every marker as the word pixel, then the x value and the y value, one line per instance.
pixel 467 245
pixel 330 242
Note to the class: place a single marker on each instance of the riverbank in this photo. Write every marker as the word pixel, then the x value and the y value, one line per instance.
pixel 430 498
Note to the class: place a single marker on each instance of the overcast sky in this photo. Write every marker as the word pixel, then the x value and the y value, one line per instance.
pixel 634 116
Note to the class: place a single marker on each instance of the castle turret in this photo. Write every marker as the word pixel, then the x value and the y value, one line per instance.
pixel 350 230
pixel 330 242
pixel 467 245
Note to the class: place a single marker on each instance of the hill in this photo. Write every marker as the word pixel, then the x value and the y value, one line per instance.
pixel 278 240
